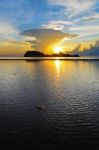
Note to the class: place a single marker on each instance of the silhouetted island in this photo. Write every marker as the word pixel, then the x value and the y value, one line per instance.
pixel 40 54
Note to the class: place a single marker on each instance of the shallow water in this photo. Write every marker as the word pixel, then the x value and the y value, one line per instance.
pixel 69 91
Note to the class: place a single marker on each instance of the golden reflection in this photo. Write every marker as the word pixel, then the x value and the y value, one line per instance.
pixel 58 65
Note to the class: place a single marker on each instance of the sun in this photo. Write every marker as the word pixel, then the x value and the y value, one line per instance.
pixel 57 49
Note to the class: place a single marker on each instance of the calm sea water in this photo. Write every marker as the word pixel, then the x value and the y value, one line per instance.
pixel 69 91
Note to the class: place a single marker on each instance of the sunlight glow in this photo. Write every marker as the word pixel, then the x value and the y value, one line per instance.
pixel 57 49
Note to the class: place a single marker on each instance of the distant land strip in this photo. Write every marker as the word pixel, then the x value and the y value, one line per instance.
pixel 50 58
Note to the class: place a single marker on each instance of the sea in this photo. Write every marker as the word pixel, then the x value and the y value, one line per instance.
pixel 49 103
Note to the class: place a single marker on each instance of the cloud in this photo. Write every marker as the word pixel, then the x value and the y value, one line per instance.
pixel 45 37
pixel 57 25
pixel 13 48
pixel 86 30
pixel 93 50
pixel 7 32
pixel 90 18
pixel 81 14
pixel 74 7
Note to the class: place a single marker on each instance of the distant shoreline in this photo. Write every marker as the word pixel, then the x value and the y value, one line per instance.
pixel 51 58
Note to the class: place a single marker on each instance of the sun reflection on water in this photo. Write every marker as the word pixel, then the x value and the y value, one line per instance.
pixel 58 65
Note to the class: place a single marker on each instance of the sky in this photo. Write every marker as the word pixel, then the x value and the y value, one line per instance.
pixel 44 24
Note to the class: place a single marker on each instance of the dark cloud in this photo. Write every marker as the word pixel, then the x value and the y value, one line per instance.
pixel 89 19
pixel 45 37
pixel 93 50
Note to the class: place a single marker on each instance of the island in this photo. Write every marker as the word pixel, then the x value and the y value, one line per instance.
pixel 41 54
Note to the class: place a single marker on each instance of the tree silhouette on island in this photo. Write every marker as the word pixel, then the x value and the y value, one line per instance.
pixel 41 54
